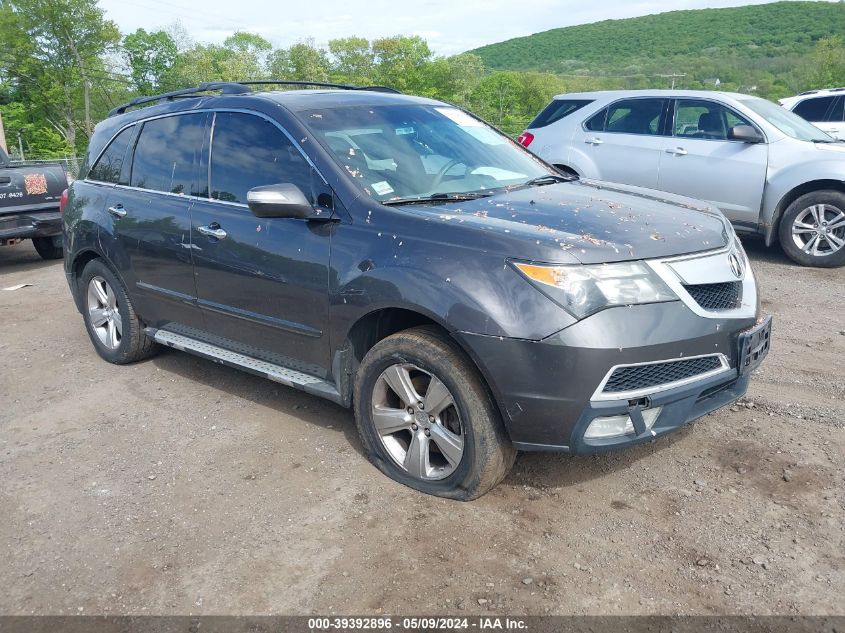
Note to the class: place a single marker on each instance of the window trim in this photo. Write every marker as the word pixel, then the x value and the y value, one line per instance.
pixel 213 111
pixel 675 101
pixel 131 146
pixel 661 126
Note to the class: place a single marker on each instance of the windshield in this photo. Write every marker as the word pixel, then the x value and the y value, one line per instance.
pixel 787 122
pixel 418 151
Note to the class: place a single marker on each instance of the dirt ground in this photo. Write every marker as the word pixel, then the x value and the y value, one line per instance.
pixel 177 486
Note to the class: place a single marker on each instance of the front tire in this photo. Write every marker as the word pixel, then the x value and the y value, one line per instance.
pixel 49 247
pixel 812 229
pixel 427 419
pixel 114 328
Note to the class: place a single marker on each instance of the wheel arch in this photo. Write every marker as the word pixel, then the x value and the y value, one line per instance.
pixel 380 323
pixel 792 195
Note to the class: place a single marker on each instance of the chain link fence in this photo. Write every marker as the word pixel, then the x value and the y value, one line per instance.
pixel 70 163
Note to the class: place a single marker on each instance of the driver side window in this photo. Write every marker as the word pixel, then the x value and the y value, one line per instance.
pixel 248 151
pixel 703 119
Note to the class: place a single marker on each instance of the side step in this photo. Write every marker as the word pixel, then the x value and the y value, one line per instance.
pixel 276 373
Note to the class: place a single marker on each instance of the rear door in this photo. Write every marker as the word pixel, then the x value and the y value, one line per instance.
pixel 147 230
pixel 622 143
pixel 700 162
pixel 262 284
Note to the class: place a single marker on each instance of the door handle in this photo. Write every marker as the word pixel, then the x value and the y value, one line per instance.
pixel 212 230
pixel 593 141
pixel 677 151
pixel 118 211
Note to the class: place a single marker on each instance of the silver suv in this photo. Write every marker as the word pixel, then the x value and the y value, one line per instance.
pixel 767 169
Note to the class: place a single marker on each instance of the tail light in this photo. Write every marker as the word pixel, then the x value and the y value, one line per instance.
pixel 63 201
pixel 525 139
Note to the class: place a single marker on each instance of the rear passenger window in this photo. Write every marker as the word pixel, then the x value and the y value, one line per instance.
pixel 110 163
pixel 815 110
pixel 166 153
pixel 556 110
pixel 635 116
pixel 249 151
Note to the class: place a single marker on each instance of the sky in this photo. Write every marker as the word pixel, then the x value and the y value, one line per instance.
pixel 449 26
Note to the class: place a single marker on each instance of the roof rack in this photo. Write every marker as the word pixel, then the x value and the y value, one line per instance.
pixel 237 88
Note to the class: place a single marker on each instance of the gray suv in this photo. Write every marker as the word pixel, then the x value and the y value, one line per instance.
pixel 400 257
pixel 768 170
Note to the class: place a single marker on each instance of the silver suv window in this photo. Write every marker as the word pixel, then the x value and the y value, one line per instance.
pixel 703 119
pixel 821 109
pixel 641 116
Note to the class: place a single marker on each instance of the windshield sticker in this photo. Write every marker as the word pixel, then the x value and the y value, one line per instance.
pixel 400 131
pixel 382 188
pixel 460 117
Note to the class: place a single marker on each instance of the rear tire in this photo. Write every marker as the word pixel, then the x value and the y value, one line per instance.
pixel 49 247
pixel 812 229
pixel 115 330
pixel 449 441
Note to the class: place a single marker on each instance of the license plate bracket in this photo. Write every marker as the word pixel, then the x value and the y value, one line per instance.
pixel 753 346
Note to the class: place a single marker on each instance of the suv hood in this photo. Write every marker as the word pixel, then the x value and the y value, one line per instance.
pixel 592 222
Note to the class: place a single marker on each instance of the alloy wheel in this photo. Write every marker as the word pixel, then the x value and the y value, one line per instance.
pixel 819 230
pixel 417 421
pixel 103 313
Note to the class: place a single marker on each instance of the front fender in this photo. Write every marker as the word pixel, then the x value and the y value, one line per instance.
pixel 798 176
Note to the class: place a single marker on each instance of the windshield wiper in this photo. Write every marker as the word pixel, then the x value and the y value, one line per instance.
pixel 439 197
pixel 547 179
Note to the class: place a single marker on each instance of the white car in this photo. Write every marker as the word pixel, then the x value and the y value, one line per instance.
pixel 823 108
pixel 768 170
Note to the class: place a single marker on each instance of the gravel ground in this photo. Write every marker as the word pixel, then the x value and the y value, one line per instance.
pixel 177 486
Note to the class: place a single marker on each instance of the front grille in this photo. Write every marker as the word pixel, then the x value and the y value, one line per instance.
pixel 644 376
pixel 721 296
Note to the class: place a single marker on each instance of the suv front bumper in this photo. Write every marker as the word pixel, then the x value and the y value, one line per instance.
pixel 549 391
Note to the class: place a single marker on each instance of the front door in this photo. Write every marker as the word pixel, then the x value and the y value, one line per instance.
pixel 700 162
pixel 262 284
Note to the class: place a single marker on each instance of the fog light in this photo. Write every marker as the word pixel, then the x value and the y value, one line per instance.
pixel 618 425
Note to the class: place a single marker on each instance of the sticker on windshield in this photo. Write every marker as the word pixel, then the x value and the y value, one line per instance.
pixel 382 188
pixel 400 131
pixel 460 117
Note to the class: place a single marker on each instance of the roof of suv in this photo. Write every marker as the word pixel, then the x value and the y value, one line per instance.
pixel 298 100
pixel 616 94
pixel 788 102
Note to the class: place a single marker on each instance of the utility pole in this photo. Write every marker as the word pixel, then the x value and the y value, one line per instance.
pixel 20 145
pixel 674 76
pixel 3 145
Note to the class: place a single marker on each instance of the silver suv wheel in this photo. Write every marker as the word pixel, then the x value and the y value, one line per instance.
pixel 819 230
pixel 417 421
pixel 103 313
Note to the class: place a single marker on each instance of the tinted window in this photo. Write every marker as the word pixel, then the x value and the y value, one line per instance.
pixel 705 119
pixel 635 116
pixel 248 151
pixel 815 109
pixel 596 122
pixel 110 164
pixel 166 153
pixel 556 110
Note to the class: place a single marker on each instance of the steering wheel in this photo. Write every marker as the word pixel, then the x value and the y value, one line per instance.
pixel 441 174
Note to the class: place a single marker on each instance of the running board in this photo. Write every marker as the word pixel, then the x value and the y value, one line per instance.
pixel 276 373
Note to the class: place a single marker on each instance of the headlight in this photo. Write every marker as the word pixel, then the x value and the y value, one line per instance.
pixel 583 290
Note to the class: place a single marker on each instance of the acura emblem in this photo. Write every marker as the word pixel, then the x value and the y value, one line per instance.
pixel 736 265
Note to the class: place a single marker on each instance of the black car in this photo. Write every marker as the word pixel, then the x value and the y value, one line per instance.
pixel 399 256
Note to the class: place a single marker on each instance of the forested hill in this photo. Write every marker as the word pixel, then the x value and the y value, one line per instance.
pixel 701 41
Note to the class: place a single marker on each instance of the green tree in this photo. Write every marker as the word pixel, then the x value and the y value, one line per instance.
pixel 304 61
pixel 399 61
pixel 54 52
pixel 353 60
pixel 828 63
pixel 150 56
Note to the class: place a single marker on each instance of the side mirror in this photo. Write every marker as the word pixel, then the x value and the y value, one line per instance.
pixel 745 133
pixel 284 200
